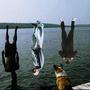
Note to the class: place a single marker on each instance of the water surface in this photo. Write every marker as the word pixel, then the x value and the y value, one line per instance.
pixel 78 70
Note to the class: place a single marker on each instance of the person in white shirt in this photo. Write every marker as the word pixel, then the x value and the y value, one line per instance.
pixel 37 44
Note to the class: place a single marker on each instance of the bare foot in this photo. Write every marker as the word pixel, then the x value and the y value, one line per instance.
pixel 74 19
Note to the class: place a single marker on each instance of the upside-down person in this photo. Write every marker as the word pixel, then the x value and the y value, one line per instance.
pixel 37 43
pixel 67 52
pixel 10 57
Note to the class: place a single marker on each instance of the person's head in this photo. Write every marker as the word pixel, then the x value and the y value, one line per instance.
pixel 35 71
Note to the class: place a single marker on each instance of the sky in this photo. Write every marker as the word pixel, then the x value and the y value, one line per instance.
pixel 47 11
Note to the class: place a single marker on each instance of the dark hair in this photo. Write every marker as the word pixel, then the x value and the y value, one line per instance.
pixel 34 70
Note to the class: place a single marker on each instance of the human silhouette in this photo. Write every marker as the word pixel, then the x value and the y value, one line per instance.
pixel 67 52
pixel 10 57
pixel 37 44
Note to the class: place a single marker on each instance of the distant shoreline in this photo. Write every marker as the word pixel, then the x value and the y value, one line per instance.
pixel 29 25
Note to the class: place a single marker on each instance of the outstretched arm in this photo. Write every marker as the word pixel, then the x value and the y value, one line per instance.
pixel 3 59
pixel 17 58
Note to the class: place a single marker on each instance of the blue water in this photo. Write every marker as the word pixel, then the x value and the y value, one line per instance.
pixel 78 70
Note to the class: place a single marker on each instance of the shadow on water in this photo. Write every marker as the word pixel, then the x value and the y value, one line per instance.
pixel 15 88
pixel 48 88
pixel 40 88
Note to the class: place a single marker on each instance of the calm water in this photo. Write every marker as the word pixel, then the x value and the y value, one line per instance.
pixel 78 70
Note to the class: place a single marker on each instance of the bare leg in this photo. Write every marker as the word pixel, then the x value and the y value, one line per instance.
pixel 64 38
pixel 71 35
pixel 7 42
pixel 64 35
pixel 7 36
pixel 15 36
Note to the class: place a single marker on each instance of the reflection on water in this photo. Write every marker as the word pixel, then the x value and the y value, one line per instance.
pixel 78 70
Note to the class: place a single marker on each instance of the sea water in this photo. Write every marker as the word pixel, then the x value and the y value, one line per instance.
pixel 78 70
